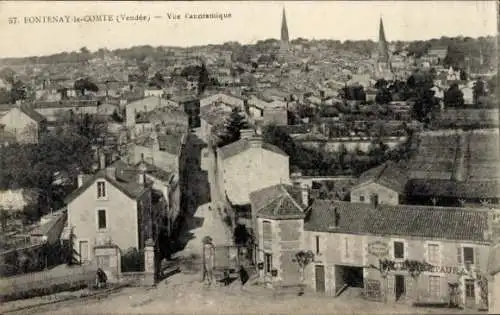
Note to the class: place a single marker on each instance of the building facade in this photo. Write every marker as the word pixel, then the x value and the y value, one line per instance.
pixel 109 207
pixel 392 253
pixel 24 123
pixel 247 165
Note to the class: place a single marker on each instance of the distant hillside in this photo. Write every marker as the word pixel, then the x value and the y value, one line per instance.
pixel 478 50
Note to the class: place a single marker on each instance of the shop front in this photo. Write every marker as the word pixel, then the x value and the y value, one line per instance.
pixel 455 286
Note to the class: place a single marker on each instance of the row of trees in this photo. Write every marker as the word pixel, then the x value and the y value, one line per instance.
pixel 341 162
pixel 52 166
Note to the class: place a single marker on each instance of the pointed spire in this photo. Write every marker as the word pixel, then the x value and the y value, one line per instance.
pixel 383 50
pixel 284 29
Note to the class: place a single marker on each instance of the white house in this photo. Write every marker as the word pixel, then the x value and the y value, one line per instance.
pixel 249 164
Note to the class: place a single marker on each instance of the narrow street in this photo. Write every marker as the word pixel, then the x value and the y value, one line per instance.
pixel 202 218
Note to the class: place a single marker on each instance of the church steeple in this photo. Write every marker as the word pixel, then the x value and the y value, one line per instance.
pixel 284 32
pixel 383 50
pixel 383 67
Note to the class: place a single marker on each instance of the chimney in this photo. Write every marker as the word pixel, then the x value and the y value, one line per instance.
pixel 247 133
pixel 156 143
pixel 374 200
pixel 80 180
pixel 130 117
pixel 305 195
pixel 111 172
pixel 141 176
pixel 336 217
pixel 102 160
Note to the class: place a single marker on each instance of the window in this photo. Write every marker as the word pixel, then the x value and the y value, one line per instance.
pixel 433 253
pixel 362 198
pixel 101 189
pixel 468 255
pixel 317 244
pixel 399 250
pixel 434 286
pixel 101 219
pixel 268 261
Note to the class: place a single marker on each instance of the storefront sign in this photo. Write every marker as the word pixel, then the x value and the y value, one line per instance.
pixel 454 270
pixel 378 249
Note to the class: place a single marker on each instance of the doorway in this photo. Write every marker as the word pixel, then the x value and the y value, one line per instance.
pixel 84 251
pixel 320 278
pixel 470 293
pixel 400 287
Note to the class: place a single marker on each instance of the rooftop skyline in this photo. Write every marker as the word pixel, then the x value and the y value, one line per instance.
pixel 250 21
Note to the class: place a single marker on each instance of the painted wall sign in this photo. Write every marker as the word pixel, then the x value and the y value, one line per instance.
pixel 378 249
pixel 454 270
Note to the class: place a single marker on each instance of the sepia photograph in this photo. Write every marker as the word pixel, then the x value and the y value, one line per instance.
pixel 249 157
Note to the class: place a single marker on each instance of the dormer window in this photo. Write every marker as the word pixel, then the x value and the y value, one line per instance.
pixel 101 189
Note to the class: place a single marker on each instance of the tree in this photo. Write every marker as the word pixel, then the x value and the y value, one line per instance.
pixel 381 84
pixel 231 132
pixel 157 81
pixel 303 259
pixel 84 50
pixel 383 96
pixel 4 219
pixel 84 85
pixel 18 91
pixel 68 252
pixel 5 96
pixel 482 281
pixel 455 56
pixel 453 97
pixel 203 79
pixel 353 93
pixel 478 90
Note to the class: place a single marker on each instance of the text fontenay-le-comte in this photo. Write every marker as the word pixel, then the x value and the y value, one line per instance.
pixel 79 19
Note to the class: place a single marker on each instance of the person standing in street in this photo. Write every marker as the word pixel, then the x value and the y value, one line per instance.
pixel 243 276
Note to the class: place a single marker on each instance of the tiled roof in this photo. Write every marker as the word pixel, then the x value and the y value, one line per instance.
pixel 401 220
pixel 33 114
pixel 388 175
pixel 122 180
pixel 213 116
pixel 170 143
pixel 277 201
pixel 242 145
pixel 66 104
pixel 450 188
pixel 157 172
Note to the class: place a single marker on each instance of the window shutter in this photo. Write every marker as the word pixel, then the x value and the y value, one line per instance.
pixel 459 254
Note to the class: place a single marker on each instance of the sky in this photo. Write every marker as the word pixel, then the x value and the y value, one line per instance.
pixel 250 21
